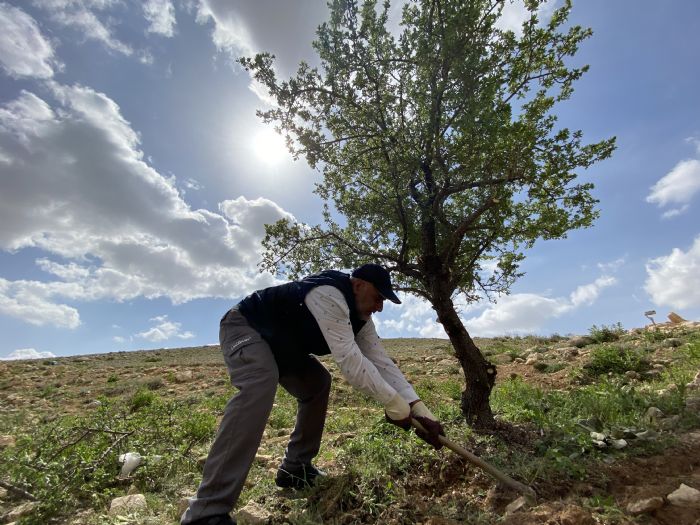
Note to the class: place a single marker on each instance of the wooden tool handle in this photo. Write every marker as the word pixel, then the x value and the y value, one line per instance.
pixel 526 491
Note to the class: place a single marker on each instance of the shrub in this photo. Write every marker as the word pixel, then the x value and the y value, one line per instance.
pixel 72 462
pixel 614 359
pixel 606 334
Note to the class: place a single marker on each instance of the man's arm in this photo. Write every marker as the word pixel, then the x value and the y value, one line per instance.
pixel 372 348
pixel 331 311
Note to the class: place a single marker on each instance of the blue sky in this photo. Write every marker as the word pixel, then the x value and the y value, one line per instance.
pixel 135 178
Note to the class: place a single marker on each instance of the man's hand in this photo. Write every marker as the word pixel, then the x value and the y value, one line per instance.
pixel 398 412
pixel 433 428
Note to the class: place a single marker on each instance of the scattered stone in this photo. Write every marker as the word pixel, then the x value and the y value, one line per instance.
pixel 647 435
pixel 598 436
pixel 580 342
pixel 694 384
pixel 3 493
pixel 94 404
pixel 519 360
pixel 685 496
pixel 631 374
pixel 201 460
pixel 184 376
pixel 653 415
pixel 692 404
pixel 516 505
pixel 533 359
pixel 669 423
pixel 644 506
pixel 7 441
pixel 618 444
pixel 673 342
pixel 129 503
pixel 676 319
pixel 569 353
pixel 252 514
pixel 20 511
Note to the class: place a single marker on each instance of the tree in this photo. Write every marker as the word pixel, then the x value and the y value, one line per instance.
pixel 439 150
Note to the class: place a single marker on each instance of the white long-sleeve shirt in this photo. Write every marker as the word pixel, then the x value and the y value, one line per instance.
pixel 362 358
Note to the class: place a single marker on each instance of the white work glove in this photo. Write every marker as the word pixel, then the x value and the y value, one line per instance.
pixel 398 412
pixel 418 409
pixel 433 428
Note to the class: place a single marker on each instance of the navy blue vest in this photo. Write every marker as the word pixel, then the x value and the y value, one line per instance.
pixel 281 317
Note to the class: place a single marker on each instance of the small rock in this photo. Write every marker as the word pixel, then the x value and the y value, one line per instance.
pixel 516 505
pixel 669 423
pixel 694 384
pixel 618 444
pixel 644 506
pixel 631 374
pixel 692 404
pixel 653 414
pixel 7 441
pixel 184 376
pixel 647 435
pixel 3 493
pixel 685 496
pixel 569 353
pixel 201 460
pixel 673 342
pixel 675 318
pixel 252 514
pixel 519 360
pixel 533 359
pixel 580 342
pixel 94 404
pixel 20 511
pixel 126 504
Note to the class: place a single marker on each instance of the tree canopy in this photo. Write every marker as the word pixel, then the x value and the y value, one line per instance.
pixel 440 149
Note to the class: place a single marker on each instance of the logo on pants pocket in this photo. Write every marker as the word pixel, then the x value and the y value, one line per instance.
pixel 239 343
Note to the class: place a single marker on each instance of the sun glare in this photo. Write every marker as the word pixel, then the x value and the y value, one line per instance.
pixel 269 146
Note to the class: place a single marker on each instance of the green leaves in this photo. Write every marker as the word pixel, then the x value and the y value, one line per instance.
pixel 437 144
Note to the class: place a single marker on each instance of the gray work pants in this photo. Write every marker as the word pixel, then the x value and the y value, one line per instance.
pixel 253 370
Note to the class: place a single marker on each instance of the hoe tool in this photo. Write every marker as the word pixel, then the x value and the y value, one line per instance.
pixel 527 492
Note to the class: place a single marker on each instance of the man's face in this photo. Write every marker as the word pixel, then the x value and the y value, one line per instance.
pixel 367 299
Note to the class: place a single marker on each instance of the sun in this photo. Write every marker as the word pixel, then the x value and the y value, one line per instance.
pixel 269 146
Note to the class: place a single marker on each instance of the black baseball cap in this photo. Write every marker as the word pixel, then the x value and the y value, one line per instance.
pixel 379 277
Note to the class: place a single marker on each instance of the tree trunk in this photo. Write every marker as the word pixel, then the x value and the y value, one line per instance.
pixel 480 375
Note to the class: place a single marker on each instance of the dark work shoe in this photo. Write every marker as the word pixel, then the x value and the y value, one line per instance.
pixel 219 519
pixel 298 478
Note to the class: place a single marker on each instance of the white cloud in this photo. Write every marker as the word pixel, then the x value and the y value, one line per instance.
pixel 119 339
pixel 513 314
pixel 81 16
pixel 677 187
pixel 164 330
pixel 29 301
pixel 161 17
pixel 415 317
pixel 76 186
pixel 612 266
pixel 526 313
pixel 24 52
pixel 27 353
pixel 245 28
pixel 587 294
pixel 515 13
pixel 674 279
